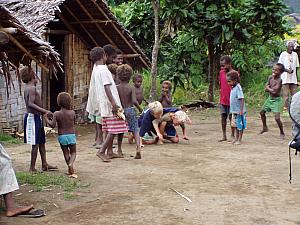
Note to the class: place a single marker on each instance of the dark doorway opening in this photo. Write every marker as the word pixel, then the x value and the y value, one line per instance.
pixel 57 84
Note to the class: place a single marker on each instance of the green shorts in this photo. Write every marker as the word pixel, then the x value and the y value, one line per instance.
pixel 97 119
pixel 273 104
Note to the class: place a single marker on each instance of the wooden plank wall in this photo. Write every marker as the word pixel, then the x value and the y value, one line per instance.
pixel 78 72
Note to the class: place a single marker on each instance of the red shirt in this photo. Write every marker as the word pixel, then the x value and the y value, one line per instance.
pixel 225 89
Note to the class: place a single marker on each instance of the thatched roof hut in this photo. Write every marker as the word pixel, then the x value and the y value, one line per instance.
pixel 24 44
pixel 91 20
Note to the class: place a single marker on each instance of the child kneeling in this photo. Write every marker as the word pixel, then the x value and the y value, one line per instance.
pixel 65 118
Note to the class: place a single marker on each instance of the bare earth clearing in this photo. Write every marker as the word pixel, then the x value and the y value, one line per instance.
pixel 246 184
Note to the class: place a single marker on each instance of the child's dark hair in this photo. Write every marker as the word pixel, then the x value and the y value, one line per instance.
pixel 64 100
pixel 226 58
pixel 97 53
pixel 124 72
pixel 109 49
pixel 167 82
pixel 27 74
pixel 119 52
pixel 137 76
pixel 113 68
pixel 281 67
pixel 233 76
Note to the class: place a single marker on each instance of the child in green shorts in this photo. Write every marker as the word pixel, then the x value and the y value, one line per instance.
pixel 274 101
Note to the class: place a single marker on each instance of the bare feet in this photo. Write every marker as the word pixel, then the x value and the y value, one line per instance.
pixel 223 139
pixel 237 143
pixel 49 168
pixel 231 139
pixel 160 142
pixel 138 155
pixel 73 176
pixel 234 141
pixel 115 156
pixel 32 170
pixel 17 211
pixel 282 136
pixel 264 130
pixel 120 153
pixel 103 157
pixel 70 169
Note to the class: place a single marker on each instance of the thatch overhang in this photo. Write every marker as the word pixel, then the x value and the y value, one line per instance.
pixel 95 25
pixel 24 44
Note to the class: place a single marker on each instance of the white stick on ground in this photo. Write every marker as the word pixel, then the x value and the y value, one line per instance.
pixel 183 196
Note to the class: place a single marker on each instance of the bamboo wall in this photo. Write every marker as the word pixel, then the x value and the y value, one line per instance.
pixel 78 72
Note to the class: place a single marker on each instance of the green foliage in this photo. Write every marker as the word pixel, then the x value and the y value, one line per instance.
pixel 5 138
pixel 250 31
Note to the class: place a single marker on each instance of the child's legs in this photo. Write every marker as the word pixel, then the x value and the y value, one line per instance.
pixel 8 200
pixel 279 123
pixel 240 135
pixel 263 119
pixel 224 115
pixel 99 134
pixel 285 94
pixel 108 141
pixel 120 140
pixel 34 151
pixel 137 140
pixel 42 150
pixel 232 128
pixel 72 154
pixel 66 152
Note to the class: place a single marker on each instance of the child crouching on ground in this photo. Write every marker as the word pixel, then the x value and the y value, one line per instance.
pixel 237 106
pixel 64 118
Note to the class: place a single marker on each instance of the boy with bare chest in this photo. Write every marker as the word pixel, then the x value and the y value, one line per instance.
pixel 65 118
pixel 139 93
pixel 128 100
pixel 274 101
pixel 34 133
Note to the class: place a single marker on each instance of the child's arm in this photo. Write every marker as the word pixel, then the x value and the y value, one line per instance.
pixel 134 101
pixel 242 106
pixel 156 128
pixel 184 132
pixel 168 98
pixel 111 99
pixel 31 101
pixel 51 123
pixel 276 89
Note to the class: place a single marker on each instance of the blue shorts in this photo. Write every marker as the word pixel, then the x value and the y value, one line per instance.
pixel 34 133
pixel 240 121
pixel 67 139
pixel 170 130
pixel 131 118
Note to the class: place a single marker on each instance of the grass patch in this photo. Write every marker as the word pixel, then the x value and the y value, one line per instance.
pixel 6 138
pixel 40 181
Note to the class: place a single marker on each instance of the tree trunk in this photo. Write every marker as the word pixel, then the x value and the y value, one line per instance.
pixel 155 50
pixel 210 45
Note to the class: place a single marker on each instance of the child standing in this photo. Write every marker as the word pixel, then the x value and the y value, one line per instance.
pixel 225 89
pixel 237 106
pixel 64 118
pixel 166 95
pixel 274 101
pixel 109 103
pixel 34 133
pixel 139 92
pixel 128 100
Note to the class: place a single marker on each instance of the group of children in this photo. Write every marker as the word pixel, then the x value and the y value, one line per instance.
pixel 232 104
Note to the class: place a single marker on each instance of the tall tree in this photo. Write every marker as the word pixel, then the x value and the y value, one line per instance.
pixel 155 50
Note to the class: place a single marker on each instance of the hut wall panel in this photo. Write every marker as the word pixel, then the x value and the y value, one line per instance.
pixel 79 79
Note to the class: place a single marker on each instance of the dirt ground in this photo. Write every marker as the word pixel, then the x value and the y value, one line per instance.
pixel 246 184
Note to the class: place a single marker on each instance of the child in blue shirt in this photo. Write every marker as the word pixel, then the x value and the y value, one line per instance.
pixel 237 106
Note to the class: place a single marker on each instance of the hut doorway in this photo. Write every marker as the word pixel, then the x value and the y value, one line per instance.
pixel 57 84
